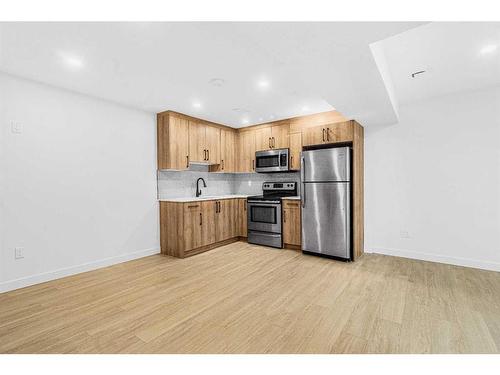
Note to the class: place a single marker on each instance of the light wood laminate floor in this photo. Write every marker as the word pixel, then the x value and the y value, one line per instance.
pixel 248 299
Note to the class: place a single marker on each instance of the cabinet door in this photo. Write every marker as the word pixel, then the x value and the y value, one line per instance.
pixel 291 223
pixel 228 149
pixel 173 142
pixel 225 224
pixel 295 149
pixel 242 217
pixel 207 222
pixel 280 136
pixel 247 151
pixel 340 132
pixel 212 144
pixel 263 139
pixel 192 225
pixel 197 149
pixel 314 136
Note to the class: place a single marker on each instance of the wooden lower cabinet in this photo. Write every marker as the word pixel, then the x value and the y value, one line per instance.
pixel 226 214
pixel 291 223
pixel 193 227
pixel 242 217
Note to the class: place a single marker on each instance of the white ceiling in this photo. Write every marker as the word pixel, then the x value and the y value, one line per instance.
pixel 362 69
pixel 449 52
pixel 310 67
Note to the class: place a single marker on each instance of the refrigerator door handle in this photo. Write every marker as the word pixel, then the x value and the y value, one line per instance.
pixel 302 176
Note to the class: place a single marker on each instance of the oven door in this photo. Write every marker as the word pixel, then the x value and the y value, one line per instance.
pixel 271 161
pixel 264 216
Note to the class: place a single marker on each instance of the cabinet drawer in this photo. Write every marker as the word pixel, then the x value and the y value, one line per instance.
pixel 291 204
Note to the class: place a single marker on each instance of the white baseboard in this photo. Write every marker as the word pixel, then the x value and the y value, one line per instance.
pixel 63 272
pixel 456 261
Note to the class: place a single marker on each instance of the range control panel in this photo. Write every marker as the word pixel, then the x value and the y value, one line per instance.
pixel 290 185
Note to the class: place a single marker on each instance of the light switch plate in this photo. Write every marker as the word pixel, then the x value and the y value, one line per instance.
pixel 16 127
pixel 404 234
pixel 19 252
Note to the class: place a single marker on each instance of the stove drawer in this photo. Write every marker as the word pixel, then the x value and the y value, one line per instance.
pixel 265 238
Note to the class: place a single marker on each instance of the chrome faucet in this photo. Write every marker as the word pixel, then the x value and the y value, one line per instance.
pixel 198 190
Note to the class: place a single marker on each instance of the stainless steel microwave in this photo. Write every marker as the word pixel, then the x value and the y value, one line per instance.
pixel 271 161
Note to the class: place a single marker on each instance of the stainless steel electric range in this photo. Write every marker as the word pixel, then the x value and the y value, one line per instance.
pixel 264 213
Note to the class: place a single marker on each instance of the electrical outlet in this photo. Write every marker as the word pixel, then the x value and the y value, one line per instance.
pixel 404 234
pixel 16 127
pixel 19 252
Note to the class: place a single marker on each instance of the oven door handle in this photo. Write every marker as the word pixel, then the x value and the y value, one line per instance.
pixel 268 203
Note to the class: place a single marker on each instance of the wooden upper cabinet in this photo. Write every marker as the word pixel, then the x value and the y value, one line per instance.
pixel 270 137
pixel 280 136
pixel 246 151
pixel 204 143
pixel 295 150
pixel 314 136
pixel 263 138
pixel 212 144
pixel 331 133
pixel 173 142
pixel 228 162
pixel 197 149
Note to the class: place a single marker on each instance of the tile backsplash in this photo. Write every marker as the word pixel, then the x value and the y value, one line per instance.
pixel 179 184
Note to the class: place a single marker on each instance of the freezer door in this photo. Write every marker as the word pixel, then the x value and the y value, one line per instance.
pixel 330 164
pixel 326 226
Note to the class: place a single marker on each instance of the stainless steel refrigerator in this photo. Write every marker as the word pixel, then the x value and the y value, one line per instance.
pixel 326 202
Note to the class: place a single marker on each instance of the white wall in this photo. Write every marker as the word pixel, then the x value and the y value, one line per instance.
pixel 436 175
pixel 78 185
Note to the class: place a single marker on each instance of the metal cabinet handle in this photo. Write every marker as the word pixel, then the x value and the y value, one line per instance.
pixel 194 205
pixel 222 162
pixel 201 219
pixel 323 135
pixel 328 134
pixel 269 142
pixel 208 154
pixel 274 142
pixel 284 216
pixel 187 161
pixel 253 164
pixel 204 154
pixel 291 161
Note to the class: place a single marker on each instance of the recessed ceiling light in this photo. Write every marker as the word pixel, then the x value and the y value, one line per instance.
pixel 196 105
pixel 245 121
pixel 217 82
pixel 271 117
pixel 71 61
pixel 263 84
pixel 261 119
pixel 305 108
pixel 488 49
